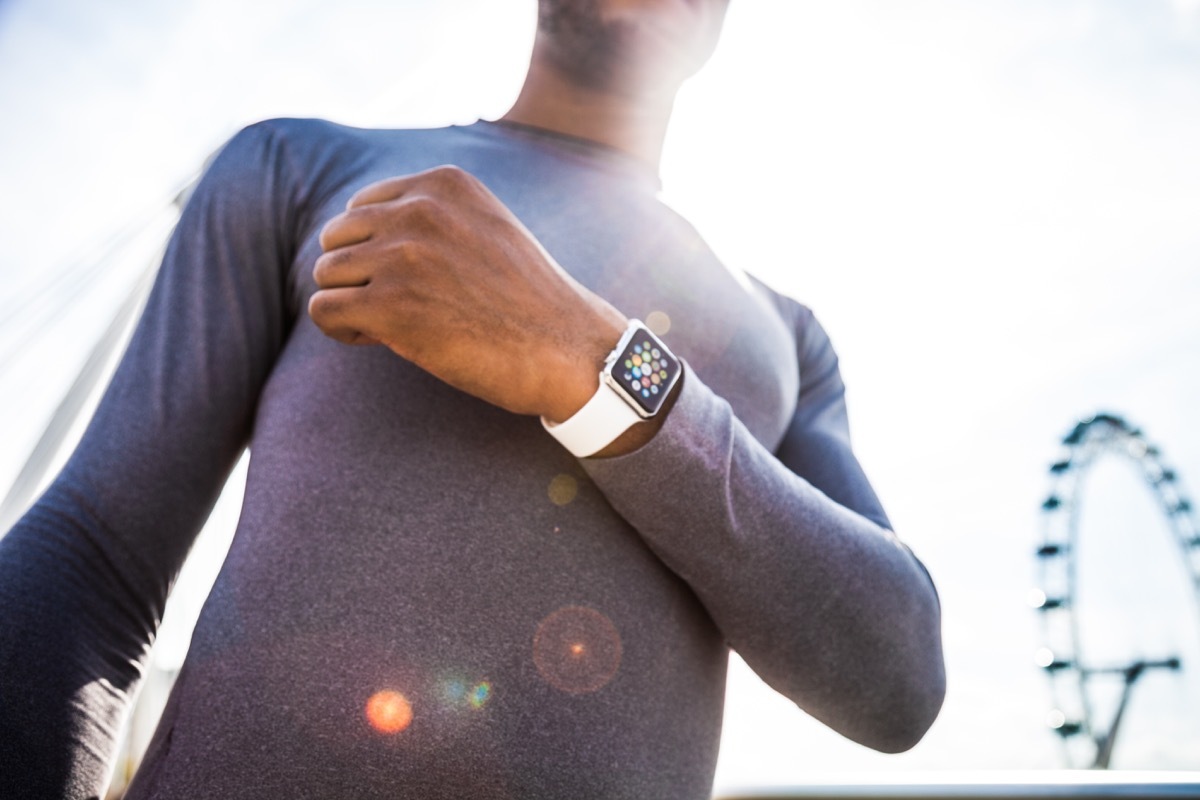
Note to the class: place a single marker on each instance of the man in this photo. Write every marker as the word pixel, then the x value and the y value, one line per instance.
pixel 432 593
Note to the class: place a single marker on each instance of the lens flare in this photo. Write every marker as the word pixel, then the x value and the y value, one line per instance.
pixel 480 695
pixel 455 690
pixel 659 322
pixel 388 711
pixel 562 489
pixel 457 693
pixel 577 650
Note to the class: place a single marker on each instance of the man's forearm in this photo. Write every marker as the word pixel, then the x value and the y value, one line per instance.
pixel 827 606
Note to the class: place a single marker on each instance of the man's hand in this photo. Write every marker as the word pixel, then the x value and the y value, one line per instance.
pixel 436 268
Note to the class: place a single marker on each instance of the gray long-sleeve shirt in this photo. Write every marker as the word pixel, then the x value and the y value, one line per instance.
pixel 556 628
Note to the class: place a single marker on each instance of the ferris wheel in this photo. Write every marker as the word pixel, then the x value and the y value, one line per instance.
pixel 1087 727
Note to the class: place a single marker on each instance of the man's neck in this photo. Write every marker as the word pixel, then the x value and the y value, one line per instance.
pixel 627 121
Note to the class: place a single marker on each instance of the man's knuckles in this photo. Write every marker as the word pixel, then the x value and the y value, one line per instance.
pixel 446 178
pixel 422 213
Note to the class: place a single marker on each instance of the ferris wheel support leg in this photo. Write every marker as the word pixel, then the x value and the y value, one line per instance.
pixel 1105 743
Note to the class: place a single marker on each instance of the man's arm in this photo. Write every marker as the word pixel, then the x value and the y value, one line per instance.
pixel 791 553
pixel 788 552
pixel 84 575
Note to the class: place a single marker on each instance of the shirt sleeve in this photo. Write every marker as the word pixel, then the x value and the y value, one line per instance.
pixel 791 553
pixel 84 575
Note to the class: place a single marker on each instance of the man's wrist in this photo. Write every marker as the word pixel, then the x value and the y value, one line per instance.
pixel 579 379
pixel 622 407
pixel 642 432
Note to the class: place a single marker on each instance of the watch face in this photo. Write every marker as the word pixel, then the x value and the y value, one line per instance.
pixel 646 370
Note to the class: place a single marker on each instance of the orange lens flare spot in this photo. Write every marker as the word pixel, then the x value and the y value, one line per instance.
pixel 389 712
pixel 577 650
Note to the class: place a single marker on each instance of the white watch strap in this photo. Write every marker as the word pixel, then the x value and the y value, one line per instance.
pixel 601 420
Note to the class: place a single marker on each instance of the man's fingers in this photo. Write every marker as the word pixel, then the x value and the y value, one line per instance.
pixel 338 313
pixel 363 339
pixel 346 229
pixel 342 267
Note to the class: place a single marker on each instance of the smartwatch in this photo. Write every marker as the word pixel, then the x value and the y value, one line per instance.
pixel 635 381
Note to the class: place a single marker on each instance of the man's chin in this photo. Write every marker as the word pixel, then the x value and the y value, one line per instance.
pixel 609 44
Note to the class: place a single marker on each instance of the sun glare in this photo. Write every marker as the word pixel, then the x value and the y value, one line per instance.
pixel 389 712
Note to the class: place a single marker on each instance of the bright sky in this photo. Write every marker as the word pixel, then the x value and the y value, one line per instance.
pixel 992 208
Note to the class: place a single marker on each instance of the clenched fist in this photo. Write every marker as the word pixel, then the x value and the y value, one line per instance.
pixel 436 268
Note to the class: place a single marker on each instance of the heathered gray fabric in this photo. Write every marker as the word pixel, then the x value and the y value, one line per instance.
pixel 400 535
